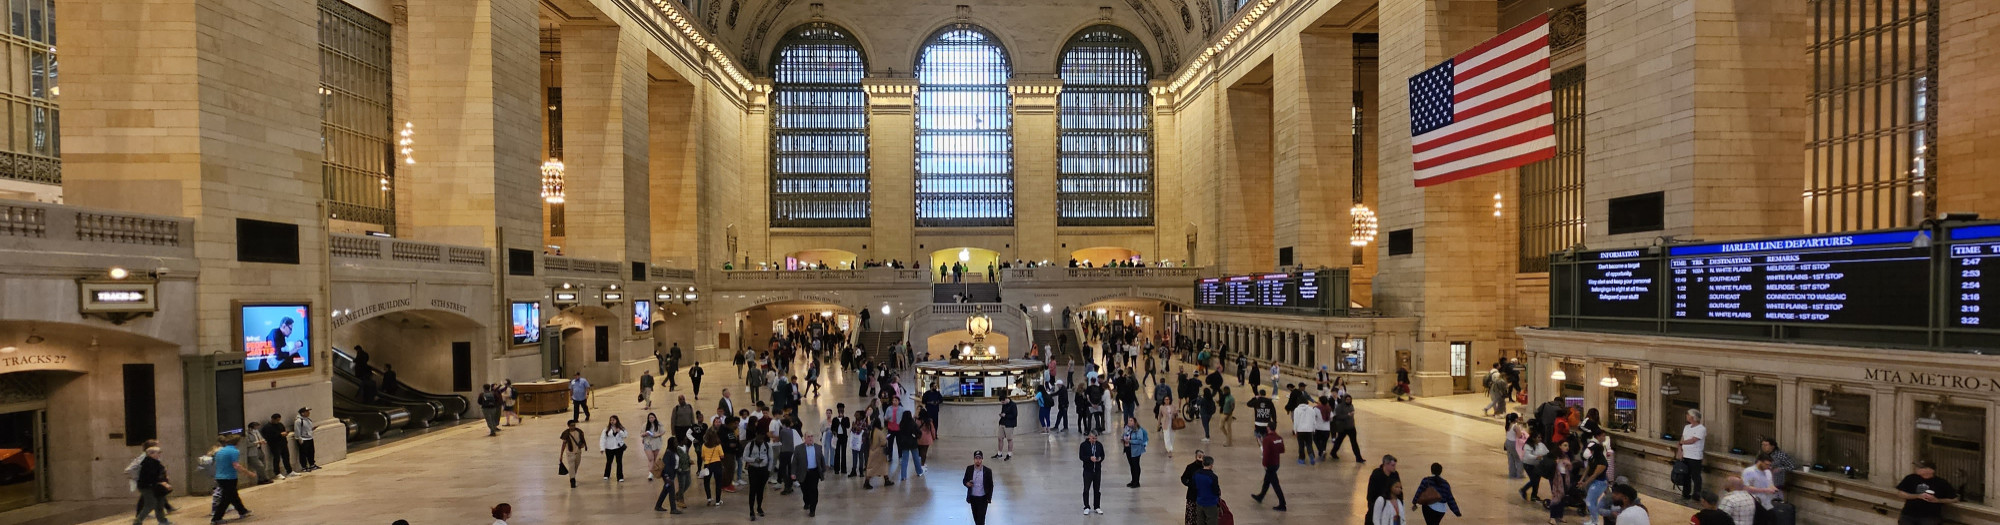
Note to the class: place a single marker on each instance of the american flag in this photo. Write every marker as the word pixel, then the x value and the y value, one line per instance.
pixel 1486 109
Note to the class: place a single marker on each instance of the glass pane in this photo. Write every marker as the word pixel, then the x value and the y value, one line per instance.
pixel 819 147
pixel 964 136
pixel 356 131
pixel 1105 140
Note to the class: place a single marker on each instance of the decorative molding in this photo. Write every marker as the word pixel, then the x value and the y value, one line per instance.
pixel 1170 49
pixel 767 16
pixel 1251 15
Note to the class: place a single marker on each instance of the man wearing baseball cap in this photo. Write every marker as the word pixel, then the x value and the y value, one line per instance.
pixel 1924 496
pixel 978 487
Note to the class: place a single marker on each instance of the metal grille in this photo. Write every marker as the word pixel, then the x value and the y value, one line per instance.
pixel 965 139
pixel 31 147
pixel 1106 168
pixel 1552 190
pixel 819 129
pixel 355 127
pixel 1873 108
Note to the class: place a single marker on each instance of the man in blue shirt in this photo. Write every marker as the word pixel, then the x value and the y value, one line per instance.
pixel 228 463
pixel 579 397
pixel 1207 494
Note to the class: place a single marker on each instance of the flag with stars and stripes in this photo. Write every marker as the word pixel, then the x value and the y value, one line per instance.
pixel 1485 110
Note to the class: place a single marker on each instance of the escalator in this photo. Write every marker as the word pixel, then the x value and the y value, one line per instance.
pixel 406 408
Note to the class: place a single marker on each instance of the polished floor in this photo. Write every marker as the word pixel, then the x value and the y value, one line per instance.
pixel 454 476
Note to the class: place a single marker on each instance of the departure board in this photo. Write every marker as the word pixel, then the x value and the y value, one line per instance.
pixel 1865 279
pixel 1974 258
pixel 1618 283
pixel 1267 292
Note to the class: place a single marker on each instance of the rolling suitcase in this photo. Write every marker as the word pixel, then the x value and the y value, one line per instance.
pixel 1783 513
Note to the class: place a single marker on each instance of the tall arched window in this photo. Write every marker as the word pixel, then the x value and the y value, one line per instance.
pixel 965 134
pixel 1105 175
pixel 819 129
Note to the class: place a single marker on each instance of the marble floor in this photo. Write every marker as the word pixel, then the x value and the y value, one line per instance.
pixel 454 476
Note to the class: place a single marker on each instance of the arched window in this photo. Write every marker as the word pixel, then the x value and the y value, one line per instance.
pixel 1105 175
pixel 819 129
pixel 965 133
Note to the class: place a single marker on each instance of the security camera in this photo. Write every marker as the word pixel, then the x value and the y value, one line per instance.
pixel 160 272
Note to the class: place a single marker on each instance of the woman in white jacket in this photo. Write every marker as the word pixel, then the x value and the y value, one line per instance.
pixel 1168 416
pixel 1389 507
pixel 613 445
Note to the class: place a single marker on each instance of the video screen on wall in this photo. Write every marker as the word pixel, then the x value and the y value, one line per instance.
pixel 642 315
pixel 526 322
pixel 276 337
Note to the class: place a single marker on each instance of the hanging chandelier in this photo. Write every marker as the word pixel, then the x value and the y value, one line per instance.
pixel 552 181
pixel 1364 225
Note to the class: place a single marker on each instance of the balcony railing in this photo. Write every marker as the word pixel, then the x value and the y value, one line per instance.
pixel 1144 276
pixel 754 278
pixel 556 263
pixel 344 246
pixel 51 228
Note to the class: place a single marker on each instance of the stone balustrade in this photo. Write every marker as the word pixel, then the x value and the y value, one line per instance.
pixel 345 246
pixel 1064 276
pixel 569 265
pixel 55 228
pixel 759 279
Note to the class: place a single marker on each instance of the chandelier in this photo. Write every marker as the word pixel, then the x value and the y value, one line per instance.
pixel 552 181
pixel 1364 225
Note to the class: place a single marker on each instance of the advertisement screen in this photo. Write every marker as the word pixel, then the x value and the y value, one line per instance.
pixel 276 337
pixel 527 322
pixel 642 315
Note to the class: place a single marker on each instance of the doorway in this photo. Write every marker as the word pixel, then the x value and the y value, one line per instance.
pixel 1461 363
pixel 21 439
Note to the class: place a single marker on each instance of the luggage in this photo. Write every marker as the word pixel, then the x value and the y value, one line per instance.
pixel 1783 513
pixel 1227 518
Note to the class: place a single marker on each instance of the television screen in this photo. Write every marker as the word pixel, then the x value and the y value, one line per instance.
pixel 642 315
pixel 276 337
pixel 527 322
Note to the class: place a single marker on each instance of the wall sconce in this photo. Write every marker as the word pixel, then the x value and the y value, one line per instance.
pixel 1558 375
pixel 1608 382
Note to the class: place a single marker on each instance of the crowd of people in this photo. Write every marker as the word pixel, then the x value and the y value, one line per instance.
pixel 742 449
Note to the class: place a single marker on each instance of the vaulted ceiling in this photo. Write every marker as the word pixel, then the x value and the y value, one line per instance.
pixel 1033 31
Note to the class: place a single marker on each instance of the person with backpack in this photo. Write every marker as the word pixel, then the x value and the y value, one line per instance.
pixel 489 405
pixel 1434 497
pixel 1496 392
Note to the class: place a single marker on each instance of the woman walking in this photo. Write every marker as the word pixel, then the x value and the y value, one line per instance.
pixel 1228 409
pixel 1169 417
pixel 612 443
pixel 926 435
pixel 757 462
pixel 1389 506
pixel 1205 407
pixel 508 412
pixel 1532 451
pixel 880 449
pixel 711 467
pixel 1434 496
pixel 1559 483
pixel 907 434
pixel 857 444
pixel 572 450
pixel 1515 433
pixel 651 441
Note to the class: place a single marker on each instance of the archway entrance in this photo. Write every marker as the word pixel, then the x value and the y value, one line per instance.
pixel 820 258
pixel 424 363
pixel 979 263
pixel 589 343
pixel 766 324
pixel 63 388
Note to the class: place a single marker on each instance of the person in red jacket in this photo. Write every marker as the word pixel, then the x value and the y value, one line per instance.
pixel 1273 447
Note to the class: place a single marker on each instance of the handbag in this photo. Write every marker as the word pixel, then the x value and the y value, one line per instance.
pixel 1428 496
pixel 562 469
pixel 703 474
pixel 1179 423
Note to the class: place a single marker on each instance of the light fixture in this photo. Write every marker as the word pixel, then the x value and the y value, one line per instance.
pixel 964 255
pixel 406 139
pixel 1558 375
pixel 1821 408
pixel 1365 225
pixel 1667 388
pixel 1608 382
pixel 552 181
pixel 828 313
pixel 119 273
pixel 8 349
pixel 885 309
pixel 1046 308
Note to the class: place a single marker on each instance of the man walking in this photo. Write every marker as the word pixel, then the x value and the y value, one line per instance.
pixel 673 367
pixel 1496 392
pixel 809 463
pixel 694 378
pixel 1207 494
pixel 1272 447
pixel 1305 423
pixel 978 487
pixel 1343 428
pixel 1062 407
pixel 579 397
pixel 1010 415
pixel 1134 439
pixel 1092 454
pixel 1379 482
pixel 228 465
pixel 489 406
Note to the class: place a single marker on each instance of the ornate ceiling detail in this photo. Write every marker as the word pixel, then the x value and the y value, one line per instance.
pixel 767 16
pixel 1170 51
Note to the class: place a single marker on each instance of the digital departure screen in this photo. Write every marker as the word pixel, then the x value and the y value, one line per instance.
pixel 1967 278
pixel 1865 279
pixel 1618 283
pixel 1272 291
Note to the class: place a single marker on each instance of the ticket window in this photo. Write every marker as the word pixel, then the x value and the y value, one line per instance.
pixel 1840 433
pixel 1959 448
pixel 1353 355
pixel 1624 410
pixel 1571 385
pixel 1675 401
pixel 1753 411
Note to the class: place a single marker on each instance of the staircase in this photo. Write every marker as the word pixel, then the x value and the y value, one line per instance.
pixel 975 292
pixel 877 344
